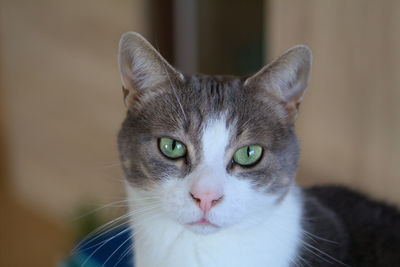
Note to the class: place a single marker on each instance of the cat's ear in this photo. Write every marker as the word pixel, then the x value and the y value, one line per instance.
pixel 286 78
pixel 142 67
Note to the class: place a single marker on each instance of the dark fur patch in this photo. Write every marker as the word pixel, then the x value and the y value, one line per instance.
pixel 351 228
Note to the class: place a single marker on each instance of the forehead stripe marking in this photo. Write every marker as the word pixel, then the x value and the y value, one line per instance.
pixel 215 139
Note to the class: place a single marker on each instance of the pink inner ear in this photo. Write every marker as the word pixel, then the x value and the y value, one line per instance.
pixel 294 92
pixel 292 110
pixel 130 96
pixel 293 99
pixel 286 78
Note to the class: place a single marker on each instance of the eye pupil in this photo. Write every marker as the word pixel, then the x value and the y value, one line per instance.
pixel 171 148
pixel 248 155
pixel 173 144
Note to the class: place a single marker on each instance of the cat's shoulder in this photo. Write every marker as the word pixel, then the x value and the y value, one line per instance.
pixel 347 201
pixel 368 228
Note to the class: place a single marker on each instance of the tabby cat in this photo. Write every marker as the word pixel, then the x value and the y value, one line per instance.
pixel 210 165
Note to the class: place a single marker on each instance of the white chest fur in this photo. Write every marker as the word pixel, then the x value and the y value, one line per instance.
pixel 272 239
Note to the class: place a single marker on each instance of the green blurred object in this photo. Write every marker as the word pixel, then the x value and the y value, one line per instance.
pixel 88 220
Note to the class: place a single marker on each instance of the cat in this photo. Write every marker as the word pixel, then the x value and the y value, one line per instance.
pixel 210 165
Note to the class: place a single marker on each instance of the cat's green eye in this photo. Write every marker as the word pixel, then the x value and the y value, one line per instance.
pixel 248 155
pixel 171 148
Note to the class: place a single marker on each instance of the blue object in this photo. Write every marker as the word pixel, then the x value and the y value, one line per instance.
pixel 110 249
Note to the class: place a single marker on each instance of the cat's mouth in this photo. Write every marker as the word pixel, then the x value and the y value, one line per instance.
pixel 203 221
pixel 203 226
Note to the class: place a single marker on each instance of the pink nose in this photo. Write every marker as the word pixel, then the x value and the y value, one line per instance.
pixel 206 199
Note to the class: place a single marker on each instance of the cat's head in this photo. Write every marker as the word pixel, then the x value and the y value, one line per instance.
pixel 209 152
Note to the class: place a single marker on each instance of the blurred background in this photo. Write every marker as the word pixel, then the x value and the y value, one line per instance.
pixel 61 100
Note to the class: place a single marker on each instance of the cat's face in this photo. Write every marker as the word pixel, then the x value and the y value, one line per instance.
pixel 209 152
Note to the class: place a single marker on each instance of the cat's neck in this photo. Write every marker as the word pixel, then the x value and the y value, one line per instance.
pixel 272 238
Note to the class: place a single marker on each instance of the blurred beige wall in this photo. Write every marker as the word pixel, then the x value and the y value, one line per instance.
pixel 62 101
pixel 349 125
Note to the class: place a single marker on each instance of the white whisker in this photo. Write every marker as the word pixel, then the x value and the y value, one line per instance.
pixel 95 234
pixel 105 242
pixel 118 164
pixel 112 204
pixel 323 253
pixel 310 235
pixel 101 244
pixel 126 252
pixel 112 254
